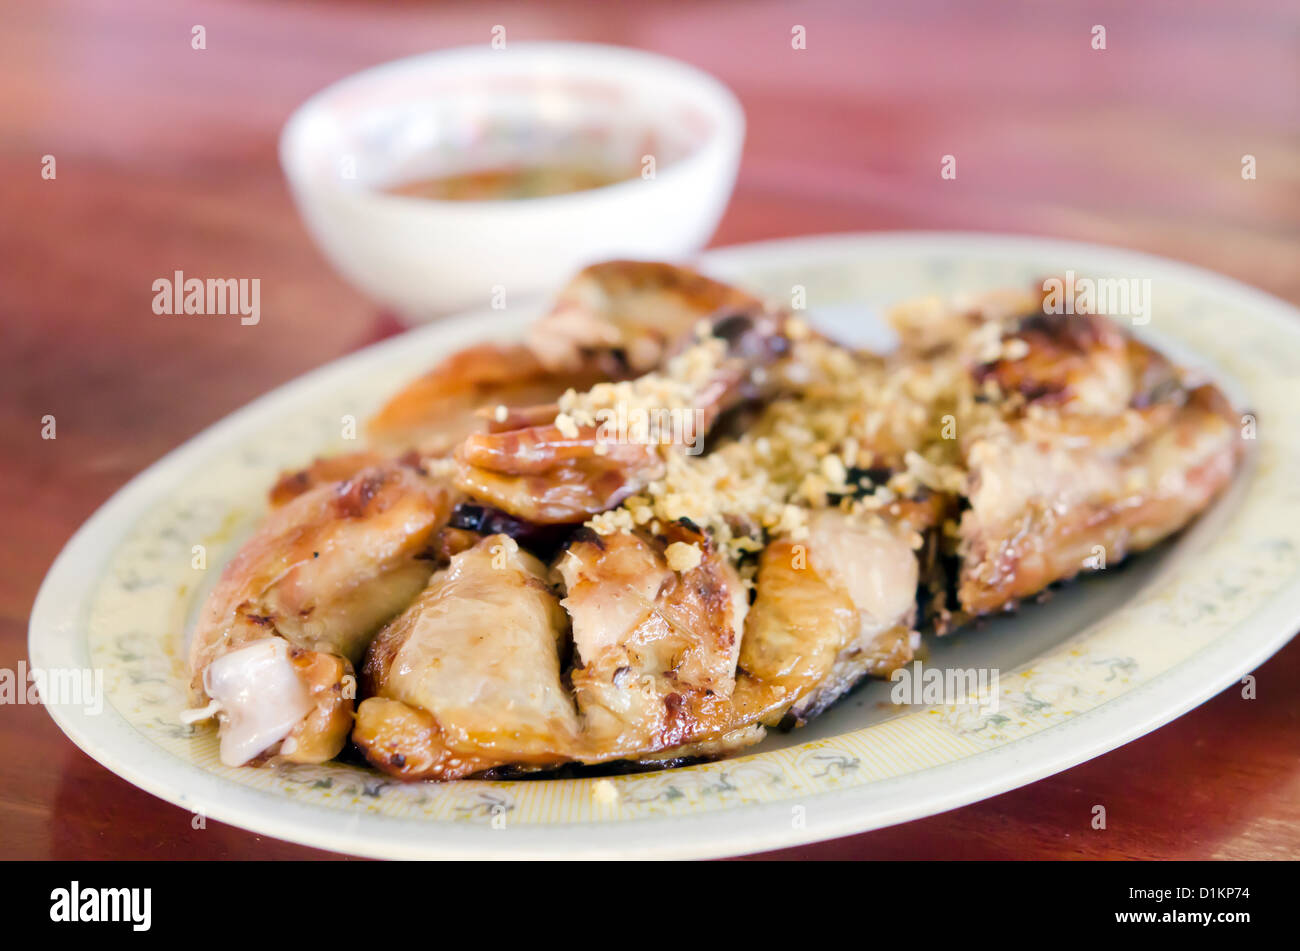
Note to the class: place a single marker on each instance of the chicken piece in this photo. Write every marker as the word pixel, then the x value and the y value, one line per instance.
pixel 327 569
pixel 543 476
pixel 654 649
pixel 269 695
pixel 566 473
pixel 461 394
pixel 308 590
pixel 1097 447
pixel 1045 506
pixel 1079 442
pixel 830 610
pixel 323 470
pixel 613 321
pixel 468 677
pixel 641 311
pixel 929 326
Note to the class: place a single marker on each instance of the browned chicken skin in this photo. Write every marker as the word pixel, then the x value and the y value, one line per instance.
pixel 642 311
pixel 1016 443
pixel 468 677
pixel 460 395
pixel 323 572
pixel 654 649
pixel 1105 451
pixel 328 568
pixel 830 610
pixel 542 475
pixel 547 474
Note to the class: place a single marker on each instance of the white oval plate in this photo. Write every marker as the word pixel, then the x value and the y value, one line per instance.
pixel 1107 660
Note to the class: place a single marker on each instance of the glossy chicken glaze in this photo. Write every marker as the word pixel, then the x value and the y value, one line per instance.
pixel 501 636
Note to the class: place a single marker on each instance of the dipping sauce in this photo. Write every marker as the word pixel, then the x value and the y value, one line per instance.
pixel 497 184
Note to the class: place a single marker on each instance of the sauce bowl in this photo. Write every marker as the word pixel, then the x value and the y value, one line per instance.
pixel 676 130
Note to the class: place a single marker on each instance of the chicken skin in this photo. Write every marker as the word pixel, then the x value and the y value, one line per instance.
pixel 641 312
pixel 467 678
pixel 830 610
pixel 461 394
pixel 654 649
pixel 1090 446
pixel 320 576
pixel 532 591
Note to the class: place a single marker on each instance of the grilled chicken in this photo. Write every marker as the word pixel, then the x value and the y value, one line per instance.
pixel 1047 503
pixel 640 311
pixel 545 476
pixel 462 394
pixel 554 473
pixel 1020 447
pixel 468 677
pixel 1098 447
pixel 830 610
pixel 612 321
pixel 300 601
pixel 654 649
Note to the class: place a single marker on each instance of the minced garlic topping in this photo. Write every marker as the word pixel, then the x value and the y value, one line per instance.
pixel 566 425
pixel 683 556
pixel 842 422
pixel 677 386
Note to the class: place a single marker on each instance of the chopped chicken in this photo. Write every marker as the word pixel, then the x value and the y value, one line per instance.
pixel 641 311
pixel 467 390
pixel 654 650
pixel 321 575
pixel 569 470
pixel 1045 505
pixel 1098 447
pixel 468 677
pixel 830 610
pixel 577 597
pixel 545 476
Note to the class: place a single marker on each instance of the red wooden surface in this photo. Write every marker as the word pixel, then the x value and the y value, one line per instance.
pixel 166 159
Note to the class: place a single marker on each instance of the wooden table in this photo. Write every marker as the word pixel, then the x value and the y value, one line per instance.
pixel 166 159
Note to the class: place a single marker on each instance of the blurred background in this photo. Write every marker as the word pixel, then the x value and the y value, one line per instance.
pixel 167 160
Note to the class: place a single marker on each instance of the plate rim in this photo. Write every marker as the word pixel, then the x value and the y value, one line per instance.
pixel 735 830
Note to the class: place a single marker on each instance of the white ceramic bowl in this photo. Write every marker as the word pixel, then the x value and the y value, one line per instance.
pixel 482 108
